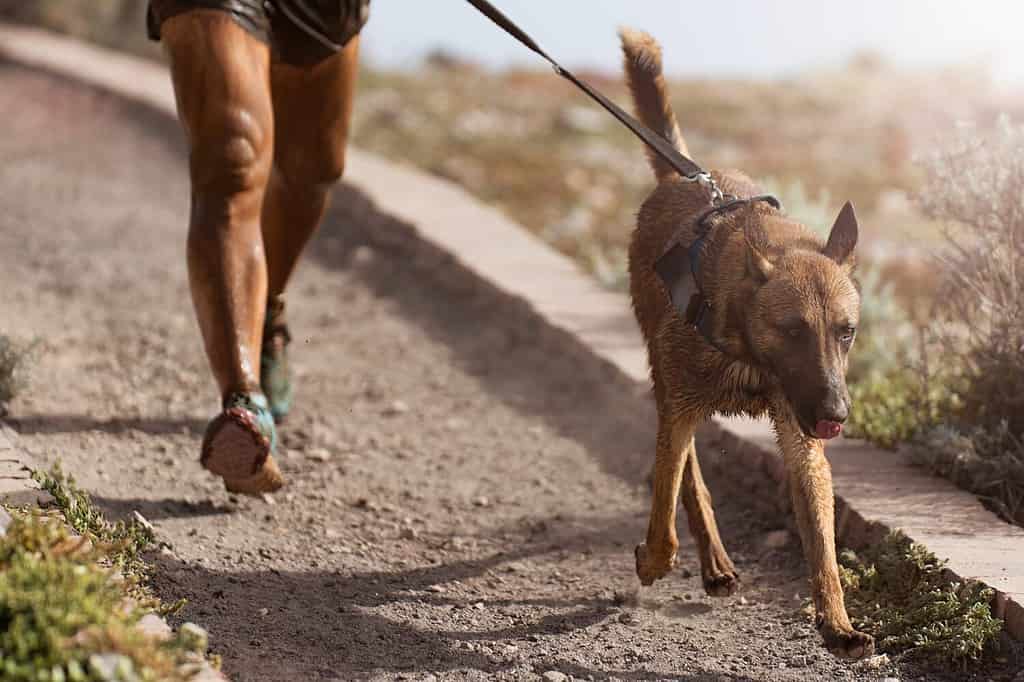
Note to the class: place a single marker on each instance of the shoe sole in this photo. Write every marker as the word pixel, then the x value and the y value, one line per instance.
pixel 235 449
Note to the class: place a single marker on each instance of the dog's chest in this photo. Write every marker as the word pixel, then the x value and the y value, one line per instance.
pixel 743 388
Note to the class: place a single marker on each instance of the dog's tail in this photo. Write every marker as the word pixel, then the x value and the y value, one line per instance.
pixel 642 61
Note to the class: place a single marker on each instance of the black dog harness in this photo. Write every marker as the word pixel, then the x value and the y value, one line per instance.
pixel 679 266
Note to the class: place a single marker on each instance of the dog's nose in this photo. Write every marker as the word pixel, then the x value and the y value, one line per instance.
pixel 833 409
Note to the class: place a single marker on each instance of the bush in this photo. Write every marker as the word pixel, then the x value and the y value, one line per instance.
pixel 977 188
pixel 15 360
pixel 897 591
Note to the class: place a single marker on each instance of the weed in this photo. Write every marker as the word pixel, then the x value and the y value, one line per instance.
pixel 15 361
pixel 64 613
pixel 899 592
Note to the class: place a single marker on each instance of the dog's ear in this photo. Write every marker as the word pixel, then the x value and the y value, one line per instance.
pixel 843 237
pixel 758 265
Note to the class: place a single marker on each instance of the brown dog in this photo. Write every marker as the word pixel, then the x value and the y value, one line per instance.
pixel 780 311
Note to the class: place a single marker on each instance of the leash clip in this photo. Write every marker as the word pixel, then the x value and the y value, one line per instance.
pixel 704 178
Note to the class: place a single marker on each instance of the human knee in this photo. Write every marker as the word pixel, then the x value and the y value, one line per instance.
pixel 231 155
pixel 316 170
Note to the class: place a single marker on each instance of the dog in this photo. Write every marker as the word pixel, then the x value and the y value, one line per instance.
pixel 778 310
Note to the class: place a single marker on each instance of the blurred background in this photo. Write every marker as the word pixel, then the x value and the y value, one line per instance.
pixel 910 109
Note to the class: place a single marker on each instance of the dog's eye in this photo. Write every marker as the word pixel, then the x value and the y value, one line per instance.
pixel 847 333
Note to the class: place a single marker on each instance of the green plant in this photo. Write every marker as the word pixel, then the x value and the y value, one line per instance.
pixel 15 362
pixel 124 541
pixel 64 615
pixel 899 592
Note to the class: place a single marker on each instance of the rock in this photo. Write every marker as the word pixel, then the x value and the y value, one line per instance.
pixel 555 676
pixel 873 662
pixel 193 637
pixel 268 498
pixel 5 521
pixel 318 455
pixel 142 521
pixel 154 626
pixel 777 539
pixel 264 611
pixel 481 501
pixel 627 618
pixel 112 667
pixel 395 408
pixel 743 601
pixel 408 534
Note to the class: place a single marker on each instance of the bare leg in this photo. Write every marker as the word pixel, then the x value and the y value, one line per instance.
pixel 810 484
pixel 221 81
pixel 312 109
pixel 718 573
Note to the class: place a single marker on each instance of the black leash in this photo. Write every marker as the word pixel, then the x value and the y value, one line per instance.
pixel 672 156
pixel 679 266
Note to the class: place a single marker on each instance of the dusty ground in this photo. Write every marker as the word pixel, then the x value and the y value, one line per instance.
pixel 465 485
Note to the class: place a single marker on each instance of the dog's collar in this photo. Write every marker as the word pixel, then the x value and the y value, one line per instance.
pixel 679 268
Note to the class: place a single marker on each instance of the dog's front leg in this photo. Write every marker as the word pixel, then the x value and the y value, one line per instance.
pixel 657 556
pixel 810 485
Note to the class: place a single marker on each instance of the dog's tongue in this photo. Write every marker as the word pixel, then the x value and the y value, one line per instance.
pixel 826 429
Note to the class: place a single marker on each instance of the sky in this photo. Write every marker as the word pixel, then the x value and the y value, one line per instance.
pixel 747 38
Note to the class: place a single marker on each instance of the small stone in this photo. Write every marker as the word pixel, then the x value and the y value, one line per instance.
pixel 395 408
pixel 743 601
pixel 268 498
pixel 408 533
pixel 479 606
pixel 777 539
pixel 627 618
pixel 318 455
pixel 622 597
pixel 5 521
pixel 685 572
pixel 481 501
pixel 437 588
pixel 798 662
pixel 264 612
pixel 555 676
pixel 112 667
pixel 874 662
pixel 154 626
pixel 142 521
pixel 193 637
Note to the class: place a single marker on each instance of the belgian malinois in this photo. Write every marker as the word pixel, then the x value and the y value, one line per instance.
pixel 778 312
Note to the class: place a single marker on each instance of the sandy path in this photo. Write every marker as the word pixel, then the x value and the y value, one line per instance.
pixel 465 485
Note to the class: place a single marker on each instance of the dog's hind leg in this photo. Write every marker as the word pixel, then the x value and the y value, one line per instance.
pixel 657 556
pixel 810 485
pixel 716 569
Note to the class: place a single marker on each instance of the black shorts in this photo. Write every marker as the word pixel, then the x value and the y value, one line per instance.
pixel 300 32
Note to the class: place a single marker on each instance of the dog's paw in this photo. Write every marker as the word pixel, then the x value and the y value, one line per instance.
pixel 848 644
pixel 722 584
pixel 651 566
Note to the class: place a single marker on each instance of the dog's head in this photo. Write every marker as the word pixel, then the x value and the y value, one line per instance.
pixel 801 320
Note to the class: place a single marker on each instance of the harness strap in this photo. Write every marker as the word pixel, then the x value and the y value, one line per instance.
pixel 672 156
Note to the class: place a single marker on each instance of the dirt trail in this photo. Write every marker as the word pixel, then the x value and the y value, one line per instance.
pixel 465 485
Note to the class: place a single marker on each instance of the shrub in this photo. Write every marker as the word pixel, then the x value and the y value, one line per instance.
pixel 898 591
pixel 70 604
pixel 15 360
pixel 976 187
